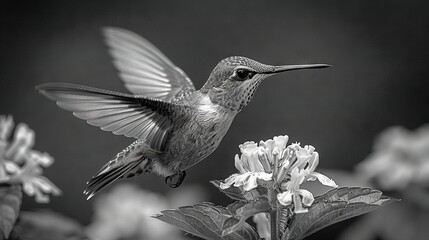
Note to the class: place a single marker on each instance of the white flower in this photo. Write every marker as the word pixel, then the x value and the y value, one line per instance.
pixel 292 193
pixel 400 158
pixel 304 162
pixel 6 126
pixel 304 158
pixel 273 148
pixel 30 176
pixel 22 165
pixel 250 167
pixel 22 142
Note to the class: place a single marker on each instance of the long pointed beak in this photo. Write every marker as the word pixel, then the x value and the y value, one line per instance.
pixel 285 68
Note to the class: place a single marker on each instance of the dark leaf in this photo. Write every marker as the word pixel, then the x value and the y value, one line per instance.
pixel 47 225
pixel 242 211
pixel 232 192
pixel 207 221
pixel 240 195
pixel 336 205
pixel 10 203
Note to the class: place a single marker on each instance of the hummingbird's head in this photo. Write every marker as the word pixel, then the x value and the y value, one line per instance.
pixel 234 80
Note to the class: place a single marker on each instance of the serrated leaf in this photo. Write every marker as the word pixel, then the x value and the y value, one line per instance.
pixel 336 205
pixel 10 203
pixel 207 221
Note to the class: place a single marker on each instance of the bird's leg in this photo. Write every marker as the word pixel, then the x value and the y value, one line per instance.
pixel 176 179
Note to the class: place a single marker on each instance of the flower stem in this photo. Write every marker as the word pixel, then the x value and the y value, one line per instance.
pixel 274 220
pixel 273 200
pixel 273 214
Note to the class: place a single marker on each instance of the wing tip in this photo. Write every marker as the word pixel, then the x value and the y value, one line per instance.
pixel 106 30
pixel 113 31
pixel 44 89
pixel 48 89
pixel 55 86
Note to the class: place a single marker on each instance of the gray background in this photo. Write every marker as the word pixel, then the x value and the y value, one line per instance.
pixel 379 78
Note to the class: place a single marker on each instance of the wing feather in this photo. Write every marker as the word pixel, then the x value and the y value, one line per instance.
pixel 123 114
pixel 143 68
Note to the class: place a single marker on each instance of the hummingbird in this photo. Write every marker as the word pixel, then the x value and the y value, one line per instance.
pixel 174 125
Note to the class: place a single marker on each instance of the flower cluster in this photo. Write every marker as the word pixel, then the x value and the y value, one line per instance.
pixel 400 158
pixel 283 168
pixel 20 164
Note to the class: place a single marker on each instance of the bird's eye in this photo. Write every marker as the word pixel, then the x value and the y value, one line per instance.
pixel 243 74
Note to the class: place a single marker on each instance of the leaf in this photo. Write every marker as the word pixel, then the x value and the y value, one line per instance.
pixel 242 211
pixel 207 221
pixel 10 203
pixel 236 193
pixel 336 205
pixel 44 225
pixel 232 192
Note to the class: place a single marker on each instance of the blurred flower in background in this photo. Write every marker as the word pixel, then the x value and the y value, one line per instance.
pixel 47 225
pixel 125 213
pixel 399 164
pixel 20 164
pixel 400 159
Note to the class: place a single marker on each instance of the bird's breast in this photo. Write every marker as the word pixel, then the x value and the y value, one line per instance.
pixel 199 134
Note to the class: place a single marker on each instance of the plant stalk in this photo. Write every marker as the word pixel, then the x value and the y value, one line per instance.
pixel 273 214
pixel 274 220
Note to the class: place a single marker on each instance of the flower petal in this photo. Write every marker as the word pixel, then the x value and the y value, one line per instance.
pixel 285 198
pixel 254 164
pixel 241 179
pixel 263 159
pixel 281 141
pixel 11 167
pixel 264 176
pixel 250 183
pixel 313 162
pixel 248 147
pixel 41 197
pixel 28 188
pixel 6 126
pixel 250 151
pixel 307 196
pixel 43 159
pixel 298 208
pixel 239 164
pixel 269 144
pixel 323 179
pixel 46 185
pixel 296 178
pixel 228 182
pixel 283 170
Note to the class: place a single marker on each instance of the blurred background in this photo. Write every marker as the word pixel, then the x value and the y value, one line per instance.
pixel 379 78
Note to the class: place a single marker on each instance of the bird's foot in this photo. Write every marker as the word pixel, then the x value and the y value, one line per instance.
pixel 176 179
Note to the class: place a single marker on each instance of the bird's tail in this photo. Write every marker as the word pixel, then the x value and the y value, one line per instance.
pixel 126 164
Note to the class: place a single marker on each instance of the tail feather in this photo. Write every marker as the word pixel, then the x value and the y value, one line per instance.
pixel 107 176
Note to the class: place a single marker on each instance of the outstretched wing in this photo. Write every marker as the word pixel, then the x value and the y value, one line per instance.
pixel 123 114
pixel 144 69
